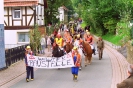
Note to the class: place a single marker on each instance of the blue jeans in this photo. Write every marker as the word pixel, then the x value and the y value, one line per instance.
pixel 42 49
pixel 75 70
pixel 29 72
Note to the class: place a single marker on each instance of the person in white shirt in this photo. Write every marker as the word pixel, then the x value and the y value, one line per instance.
pixel 43 44
pixel 48 43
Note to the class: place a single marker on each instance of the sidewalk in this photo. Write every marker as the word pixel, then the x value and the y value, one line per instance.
pixel 15 70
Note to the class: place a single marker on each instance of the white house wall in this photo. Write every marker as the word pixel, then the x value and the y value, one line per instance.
pixel 11 37
pixel 61 14
pixel 40 15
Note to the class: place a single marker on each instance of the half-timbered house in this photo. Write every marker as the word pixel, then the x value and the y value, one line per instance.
pixel 19 17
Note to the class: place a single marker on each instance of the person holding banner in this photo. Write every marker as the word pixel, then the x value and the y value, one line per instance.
pixel 77 60
pixel 29 70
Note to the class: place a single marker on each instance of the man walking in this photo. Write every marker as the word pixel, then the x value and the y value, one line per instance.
pixel 100 46
pixel 43 44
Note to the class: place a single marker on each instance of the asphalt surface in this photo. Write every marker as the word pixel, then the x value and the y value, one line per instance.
pixel 96 75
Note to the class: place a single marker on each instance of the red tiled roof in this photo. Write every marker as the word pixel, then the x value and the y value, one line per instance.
pixel 18 0
pixel 13 3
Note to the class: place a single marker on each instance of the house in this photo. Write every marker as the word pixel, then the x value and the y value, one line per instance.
pixel 63 14
pixel 19 17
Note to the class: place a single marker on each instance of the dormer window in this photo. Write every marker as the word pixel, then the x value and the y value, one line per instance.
pixel 16 13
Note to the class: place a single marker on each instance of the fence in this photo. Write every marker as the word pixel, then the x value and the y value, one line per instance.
pixel 9 46
pixel 15 54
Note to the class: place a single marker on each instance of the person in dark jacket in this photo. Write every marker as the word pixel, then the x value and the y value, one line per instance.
pixel 29 70
pixel 127 83
pixel 52 39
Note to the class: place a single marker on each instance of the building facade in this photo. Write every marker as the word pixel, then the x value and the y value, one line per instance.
pixel 19 17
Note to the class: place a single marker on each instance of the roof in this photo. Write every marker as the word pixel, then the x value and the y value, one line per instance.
pixel 65 8
pixel 14 3
pixel 18 0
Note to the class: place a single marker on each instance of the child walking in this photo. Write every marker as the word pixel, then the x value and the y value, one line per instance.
pixel 29 69
pixel 77 60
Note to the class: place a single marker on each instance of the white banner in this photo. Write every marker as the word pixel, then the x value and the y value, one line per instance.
pixel 50 62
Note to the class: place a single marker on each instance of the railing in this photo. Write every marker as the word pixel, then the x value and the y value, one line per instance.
pixel 9 46
pixel 15 54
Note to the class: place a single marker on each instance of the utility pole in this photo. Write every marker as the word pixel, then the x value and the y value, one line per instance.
pixel 2 43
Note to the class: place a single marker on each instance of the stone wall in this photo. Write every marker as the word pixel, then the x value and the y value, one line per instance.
pixel 130 53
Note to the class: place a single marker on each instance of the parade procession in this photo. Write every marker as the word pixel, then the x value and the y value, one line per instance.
pixel 70 49
pixel 66 44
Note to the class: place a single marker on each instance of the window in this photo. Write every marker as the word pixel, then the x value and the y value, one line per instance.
pixel 23 37
pixel 16 13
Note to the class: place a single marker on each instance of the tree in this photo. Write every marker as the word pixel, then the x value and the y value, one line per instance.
pixel 103 15
pixel 52 11
pixel 35 37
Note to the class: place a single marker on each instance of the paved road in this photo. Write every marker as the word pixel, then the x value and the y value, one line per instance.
pixel 96 75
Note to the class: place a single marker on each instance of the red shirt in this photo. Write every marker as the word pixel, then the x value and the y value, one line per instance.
pixel 89 39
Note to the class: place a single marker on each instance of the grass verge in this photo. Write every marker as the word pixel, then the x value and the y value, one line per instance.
pixel 115 39
pixel 83 25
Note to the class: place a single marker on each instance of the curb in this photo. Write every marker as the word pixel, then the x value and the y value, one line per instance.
pixel 14 77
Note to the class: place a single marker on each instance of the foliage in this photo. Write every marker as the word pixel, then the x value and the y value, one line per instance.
pixel 35 37
pixel 104 16
pixel 110 25
pixel 115 39
pixel 83 25
pixel 52 11
pixel 49 30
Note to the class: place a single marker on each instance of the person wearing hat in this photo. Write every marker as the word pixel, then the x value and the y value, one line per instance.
pixel 86 30
pixel 127 83
pixel 77 60
pixel 59 40
pixel 29 70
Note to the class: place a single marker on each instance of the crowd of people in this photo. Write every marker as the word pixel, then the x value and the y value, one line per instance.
pixel 74 35
pixel 65 35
